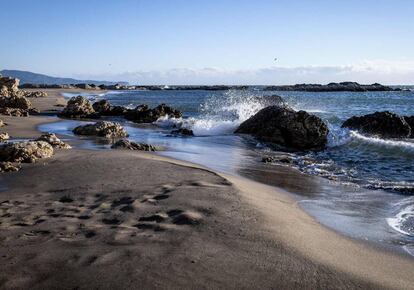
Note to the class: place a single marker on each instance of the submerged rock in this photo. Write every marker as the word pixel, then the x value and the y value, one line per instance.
pixel 126 144
pixel 8 167
pixel 54 141
pixel 25 151
pixel 183 131
pixel 102 129
pixel 143 114
pixel 384 124
pixel 78 107
pixel 284 126
pixel 280 159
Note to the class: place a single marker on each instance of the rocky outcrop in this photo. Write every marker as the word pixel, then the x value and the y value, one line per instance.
pixel 288 128
pixel 102 129
pixel 383 124
pixel 272 100
pixel 25 151
pixel 8 167
pixel 9 85
pixel 14 102
pixel 126 144
pixel 332 87
pixel 183 131
pixel 4 136
pixel 78 107
pixel 144 114
pixel 53 140
pixel 104 108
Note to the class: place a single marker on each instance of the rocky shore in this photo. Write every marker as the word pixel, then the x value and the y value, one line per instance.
pixel 120 219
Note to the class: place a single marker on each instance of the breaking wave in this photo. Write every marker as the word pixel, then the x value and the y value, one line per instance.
pixel 220 115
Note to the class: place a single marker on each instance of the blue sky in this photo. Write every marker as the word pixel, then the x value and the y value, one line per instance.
pixel 221 42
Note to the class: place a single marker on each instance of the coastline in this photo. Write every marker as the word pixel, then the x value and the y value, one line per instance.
pixel 267 231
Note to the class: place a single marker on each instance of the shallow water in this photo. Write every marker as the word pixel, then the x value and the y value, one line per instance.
pixel 333 185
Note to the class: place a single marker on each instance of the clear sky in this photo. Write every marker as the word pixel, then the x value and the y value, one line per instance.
pixel 221 42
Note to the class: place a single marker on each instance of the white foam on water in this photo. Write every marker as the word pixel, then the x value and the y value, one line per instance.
pixel 403 221
pixel 403 145
pixel 219 115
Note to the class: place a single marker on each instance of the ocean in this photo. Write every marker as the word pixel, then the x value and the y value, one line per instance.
pixel 360 186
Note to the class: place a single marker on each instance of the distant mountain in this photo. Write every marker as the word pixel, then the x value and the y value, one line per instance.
pixel 27 77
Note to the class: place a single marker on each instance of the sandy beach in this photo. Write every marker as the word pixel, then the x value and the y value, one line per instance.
pixel 118 219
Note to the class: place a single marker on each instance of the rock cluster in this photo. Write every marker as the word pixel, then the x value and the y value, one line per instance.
pixel 287 127
pixel 144 114
pixel 104 108
pixel 25 151
pixel 8 167
pixel 383 124
pixel 36 94
pixel 54 141
pixel 102 129
pixel 126 144
pixel 78 107
pixel 14 102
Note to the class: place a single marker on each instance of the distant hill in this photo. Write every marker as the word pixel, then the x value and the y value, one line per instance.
pixel 27 77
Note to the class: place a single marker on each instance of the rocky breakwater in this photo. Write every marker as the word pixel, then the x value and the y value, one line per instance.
pixel 14 102
pixel 382 124
pixel 333 87
pixel 102 129
pixel 283 126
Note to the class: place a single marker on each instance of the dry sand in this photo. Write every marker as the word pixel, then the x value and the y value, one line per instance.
pixel 120 219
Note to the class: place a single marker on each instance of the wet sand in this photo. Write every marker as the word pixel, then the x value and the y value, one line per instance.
pixel 118 219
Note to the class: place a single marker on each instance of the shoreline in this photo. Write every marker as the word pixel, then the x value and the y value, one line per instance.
pixel 271 218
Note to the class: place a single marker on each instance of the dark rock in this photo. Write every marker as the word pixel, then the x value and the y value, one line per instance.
pixel 102 129
pixel 286 127
pixel 280 159
pixel 383 124
pixel 126 144
pixel 143 114
pixel 104 108
pixel 183 131
pixel 410 122
pixel 78 107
